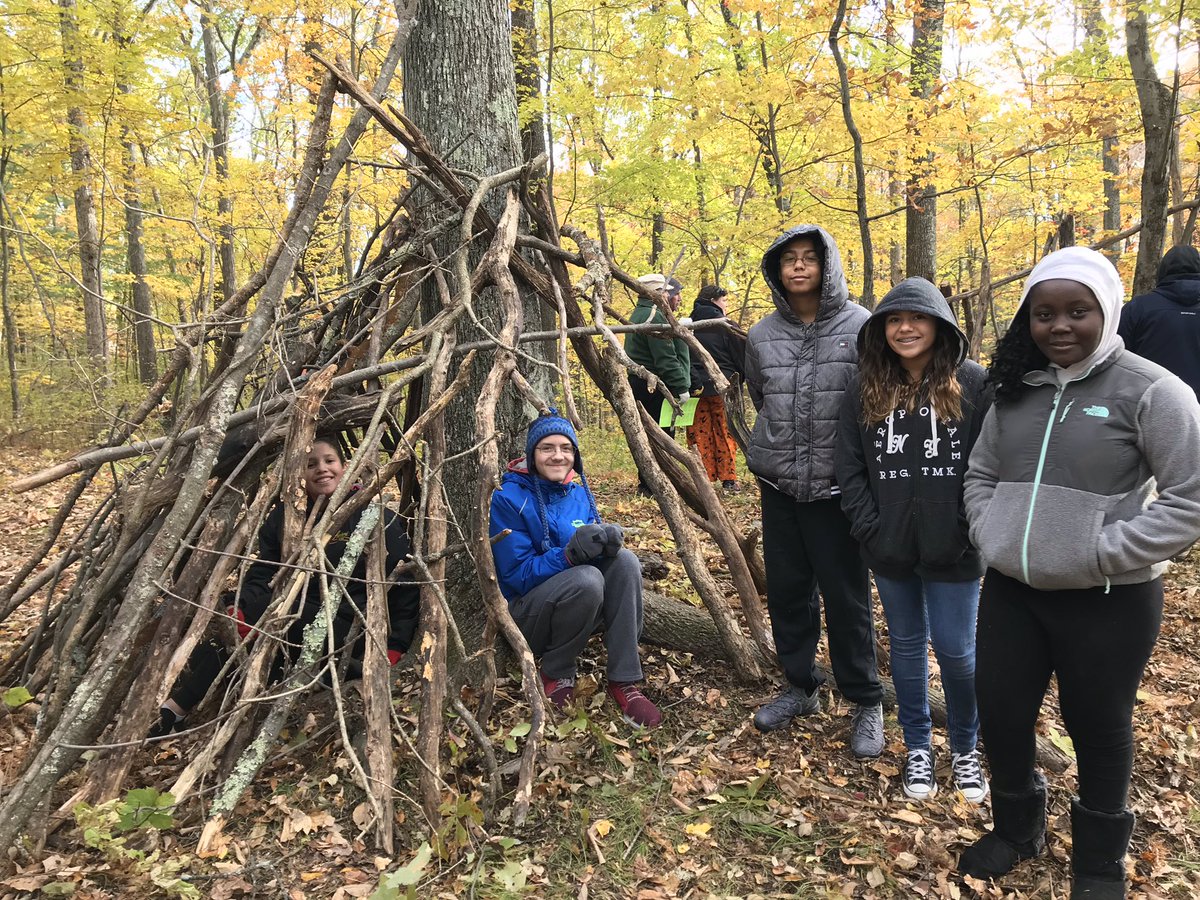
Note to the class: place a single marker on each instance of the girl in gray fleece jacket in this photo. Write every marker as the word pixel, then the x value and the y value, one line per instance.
pixel 1082 483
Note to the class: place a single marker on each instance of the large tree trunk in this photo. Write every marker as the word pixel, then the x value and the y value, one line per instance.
pixel 921 215
pixel 85 204
pixel 459 81
pixel 1156 104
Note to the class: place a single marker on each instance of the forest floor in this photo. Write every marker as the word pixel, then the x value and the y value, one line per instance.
pixel 703 807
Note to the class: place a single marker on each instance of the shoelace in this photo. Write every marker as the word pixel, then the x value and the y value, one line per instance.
pixel 564 682
pixel 919 767
pixel 871 721
pixel 967 771
pixel 631 693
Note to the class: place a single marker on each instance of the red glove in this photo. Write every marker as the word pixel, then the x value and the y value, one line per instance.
pixel 394 656
pixel 243 629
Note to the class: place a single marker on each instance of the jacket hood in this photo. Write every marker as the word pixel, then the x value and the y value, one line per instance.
pixel 705 310
pixel 1179 261
pixel 834 293
pixel 1099 275
pixel 914 295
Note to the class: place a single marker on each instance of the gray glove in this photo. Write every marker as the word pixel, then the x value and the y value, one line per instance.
pixel 614 538
pixel 586 544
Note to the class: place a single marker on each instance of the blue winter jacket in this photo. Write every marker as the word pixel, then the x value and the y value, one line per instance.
pixel 535 550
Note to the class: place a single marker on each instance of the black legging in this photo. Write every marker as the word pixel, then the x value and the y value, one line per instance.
pixel 1097 644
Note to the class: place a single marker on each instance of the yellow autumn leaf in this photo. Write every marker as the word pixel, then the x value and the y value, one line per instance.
pixel 700 829
pixel 602 827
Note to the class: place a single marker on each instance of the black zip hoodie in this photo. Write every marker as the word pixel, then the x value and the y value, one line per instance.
pixel 902 478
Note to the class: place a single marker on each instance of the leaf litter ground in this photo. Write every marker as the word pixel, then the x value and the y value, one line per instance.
pixel 703 807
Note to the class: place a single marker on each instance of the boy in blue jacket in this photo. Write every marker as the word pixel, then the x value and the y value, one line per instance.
pixel 566 573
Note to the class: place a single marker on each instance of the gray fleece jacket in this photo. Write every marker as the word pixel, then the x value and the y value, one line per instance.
pixel 1090 483
pixel 797 373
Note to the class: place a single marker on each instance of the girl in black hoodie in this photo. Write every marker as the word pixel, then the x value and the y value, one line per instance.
pixel 907 427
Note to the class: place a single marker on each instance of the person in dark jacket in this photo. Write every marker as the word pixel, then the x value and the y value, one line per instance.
pixel 1082 484
pixel 709 431
pixel 565 572
pixel 907 428
pixel 1164 325
pixel 799 360
pixel 323 472
pixel 662 355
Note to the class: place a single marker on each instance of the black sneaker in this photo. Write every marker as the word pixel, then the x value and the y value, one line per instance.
pixel 919 783
pixel 969 778
pixel 789 704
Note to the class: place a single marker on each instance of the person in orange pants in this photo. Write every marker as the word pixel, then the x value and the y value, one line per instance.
pixel 709 431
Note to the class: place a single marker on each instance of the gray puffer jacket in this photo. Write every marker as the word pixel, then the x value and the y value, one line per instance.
pixel 797 373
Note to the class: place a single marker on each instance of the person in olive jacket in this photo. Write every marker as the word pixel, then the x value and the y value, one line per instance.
pixel 907 427
pixel 663 355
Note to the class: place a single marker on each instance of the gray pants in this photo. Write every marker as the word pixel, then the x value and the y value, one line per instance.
pixel 559 615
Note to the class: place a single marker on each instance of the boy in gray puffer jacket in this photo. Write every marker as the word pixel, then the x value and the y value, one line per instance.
pixel 798 362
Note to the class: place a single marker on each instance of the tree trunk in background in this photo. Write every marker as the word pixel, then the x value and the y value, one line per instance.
pixel 657 227
pixel 459 81
pixel 85 204
pixel 1156 104
pixel 1096 46
pixel 860 177
pixel 135 253
pixel 528 79
pixel 220 151
pixel 921 216
pixel 1177 196
pixel 143 325
pixel 1066 230
pixel 10 335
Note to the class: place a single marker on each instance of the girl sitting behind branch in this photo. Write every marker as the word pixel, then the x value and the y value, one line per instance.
pixel 324 468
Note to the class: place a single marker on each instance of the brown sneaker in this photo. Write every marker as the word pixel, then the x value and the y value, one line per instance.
pixel 636 709
pixel 559 691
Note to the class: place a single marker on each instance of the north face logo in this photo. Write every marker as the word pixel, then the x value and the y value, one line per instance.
pixel 1100 412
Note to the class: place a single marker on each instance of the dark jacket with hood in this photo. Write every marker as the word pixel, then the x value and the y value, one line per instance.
pixel 404 599
pixel 902 477
pixel 727 348
pixel 1164 325
pixel 541 517
pixel 797 372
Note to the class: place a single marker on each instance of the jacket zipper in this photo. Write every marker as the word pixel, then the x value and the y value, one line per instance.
pixel 1037 482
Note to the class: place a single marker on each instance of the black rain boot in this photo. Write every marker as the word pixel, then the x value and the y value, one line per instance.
pixel 1098 857
pixel 1018 832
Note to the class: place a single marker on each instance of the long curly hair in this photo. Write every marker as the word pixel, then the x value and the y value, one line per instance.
pixel 1016 354
pixel 884 384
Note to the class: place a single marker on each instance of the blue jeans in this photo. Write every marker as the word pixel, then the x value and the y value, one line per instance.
pixel 945 611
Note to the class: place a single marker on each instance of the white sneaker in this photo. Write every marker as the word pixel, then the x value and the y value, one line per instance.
pixel 919 783
pixel 969 779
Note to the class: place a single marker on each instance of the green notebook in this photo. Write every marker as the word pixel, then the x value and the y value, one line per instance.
pixel 668 419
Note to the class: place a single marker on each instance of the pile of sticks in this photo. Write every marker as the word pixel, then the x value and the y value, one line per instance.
pixel 130 593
